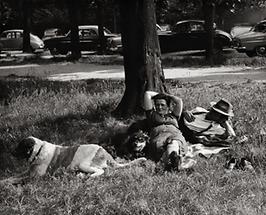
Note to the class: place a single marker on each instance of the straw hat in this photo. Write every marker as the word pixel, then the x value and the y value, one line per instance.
pixel 223 107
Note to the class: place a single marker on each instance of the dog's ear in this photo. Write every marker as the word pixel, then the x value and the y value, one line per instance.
pixel 24 148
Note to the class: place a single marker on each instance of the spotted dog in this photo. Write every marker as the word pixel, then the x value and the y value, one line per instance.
pixel 45 157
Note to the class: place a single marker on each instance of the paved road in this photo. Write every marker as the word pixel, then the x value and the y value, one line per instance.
pixel 77 71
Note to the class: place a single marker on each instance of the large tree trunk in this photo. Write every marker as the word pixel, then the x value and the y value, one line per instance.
pixel 209 13
pixel 142 55
pixel 100 14
pixel 26 8
pixel 74 17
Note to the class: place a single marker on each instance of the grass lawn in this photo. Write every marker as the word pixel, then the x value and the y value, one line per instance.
pixel 68 113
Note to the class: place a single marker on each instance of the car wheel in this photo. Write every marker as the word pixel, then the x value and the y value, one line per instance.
pixel 63 52
pixel 54 51
pixel 261 51
pixel 250 53
pixel 32 49
pixel 111 46
pixel 218 47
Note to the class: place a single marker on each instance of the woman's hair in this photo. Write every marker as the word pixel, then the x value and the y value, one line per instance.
pixel 162 96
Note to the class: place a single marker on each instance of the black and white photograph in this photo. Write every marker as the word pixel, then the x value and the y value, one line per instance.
pixel 132 107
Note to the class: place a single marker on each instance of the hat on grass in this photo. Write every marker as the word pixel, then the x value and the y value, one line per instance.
pixel 223 107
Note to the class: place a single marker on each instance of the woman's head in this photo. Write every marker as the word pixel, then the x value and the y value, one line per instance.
pixel 162 103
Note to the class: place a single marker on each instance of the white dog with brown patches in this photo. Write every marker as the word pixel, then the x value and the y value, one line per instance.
pixel 45 157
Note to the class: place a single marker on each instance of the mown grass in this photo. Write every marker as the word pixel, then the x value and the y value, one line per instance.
pixel 68 113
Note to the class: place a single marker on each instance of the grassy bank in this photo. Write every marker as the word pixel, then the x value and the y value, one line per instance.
pixel 68 113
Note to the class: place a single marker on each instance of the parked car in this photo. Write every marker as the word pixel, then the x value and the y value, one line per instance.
pixel 240 28
pixel 253 43
pixel 191 35
pixel 52 32
pixel 88 37
pixel 187 35
pixel 114 44
pixel 11 40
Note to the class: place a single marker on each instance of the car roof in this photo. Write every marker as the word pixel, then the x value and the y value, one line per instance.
pixel 190 20
pixel 13 30
pixel 88 26
pixel 51 29
pixel 263 21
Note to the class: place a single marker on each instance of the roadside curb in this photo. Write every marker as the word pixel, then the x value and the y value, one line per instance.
pixel 7 58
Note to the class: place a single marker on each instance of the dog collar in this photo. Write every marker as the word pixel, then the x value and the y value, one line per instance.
pixel 34 158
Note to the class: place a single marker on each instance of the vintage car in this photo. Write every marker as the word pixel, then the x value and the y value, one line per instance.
pixel 187 35
pixel 88 38
pixel 240 28
pixel 12 40
pixel 253 42
pixel 191 35
pixel 114 44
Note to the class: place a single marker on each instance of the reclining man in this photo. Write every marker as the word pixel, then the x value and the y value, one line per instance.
pixel 209 127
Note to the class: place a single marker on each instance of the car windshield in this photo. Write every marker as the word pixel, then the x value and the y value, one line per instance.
pixel 106 31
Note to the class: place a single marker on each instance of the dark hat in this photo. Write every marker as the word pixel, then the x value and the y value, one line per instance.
pixel 223 107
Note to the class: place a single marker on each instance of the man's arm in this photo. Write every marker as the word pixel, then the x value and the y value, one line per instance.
pixel 229 130
pixel 148 104
pixel 178 105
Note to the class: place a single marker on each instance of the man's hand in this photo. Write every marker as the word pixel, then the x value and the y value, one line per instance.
pixel 188 116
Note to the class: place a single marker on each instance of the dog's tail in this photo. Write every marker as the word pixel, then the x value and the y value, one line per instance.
pixel 14 180
pixel 115 164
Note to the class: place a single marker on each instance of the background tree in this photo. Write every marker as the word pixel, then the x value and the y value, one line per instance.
pixel 27 9
pixel 100 15
pixel 74 22
pixel 142 56
pixel 209 13
pixel 5 12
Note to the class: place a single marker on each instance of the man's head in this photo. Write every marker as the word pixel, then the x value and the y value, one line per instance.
pixel 161 103
pixel 24 148
pixel 220 111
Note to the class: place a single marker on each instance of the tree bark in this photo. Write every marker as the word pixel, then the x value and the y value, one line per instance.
pixel 100 14
pixel 26 8
pixel 142 55
pixel 209 14
pixel 74 17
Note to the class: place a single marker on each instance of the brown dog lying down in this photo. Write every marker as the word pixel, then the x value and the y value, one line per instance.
pixel 45 157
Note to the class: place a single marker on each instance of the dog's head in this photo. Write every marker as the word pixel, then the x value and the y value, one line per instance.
pixel 24 148
pixel 138 141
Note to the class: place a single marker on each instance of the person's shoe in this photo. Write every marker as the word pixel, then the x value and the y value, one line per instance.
pixel 244 164
pixel 231 164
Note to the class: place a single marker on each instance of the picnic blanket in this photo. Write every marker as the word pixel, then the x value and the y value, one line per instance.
pixel 189 159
